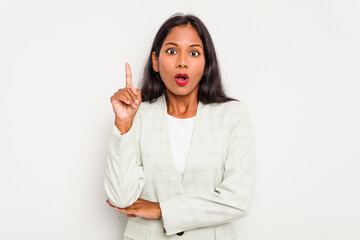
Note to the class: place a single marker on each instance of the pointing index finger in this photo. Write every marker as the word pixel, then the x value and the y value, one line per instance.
pixel 128 75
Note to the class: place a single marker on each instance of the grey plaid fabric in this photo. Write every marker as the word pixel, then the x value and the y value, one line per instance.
pixel 217 187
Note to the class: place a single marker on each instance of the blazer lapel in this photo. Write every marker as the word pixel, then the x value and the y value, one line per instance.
pixel 187 172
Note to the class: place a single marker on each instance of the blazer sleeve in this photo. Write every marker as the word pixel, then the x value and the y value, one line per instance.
pixel 231 199
pixel 124 176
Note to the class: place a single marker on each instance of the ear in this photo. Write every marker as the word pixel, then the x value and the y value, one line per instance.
pixel 155 62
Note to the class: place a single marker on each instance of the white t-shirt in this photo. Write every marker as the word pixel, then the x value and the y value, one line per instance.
pixel 180 137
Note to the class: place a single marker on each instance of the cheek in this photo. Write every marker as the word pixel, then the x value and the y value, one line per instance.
pixel 165 62
pixel 165 70
pixel 200 67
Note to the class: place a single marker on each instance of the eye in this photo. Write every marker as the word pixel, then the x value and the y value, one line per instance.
pixel 196 53
pixel 170 50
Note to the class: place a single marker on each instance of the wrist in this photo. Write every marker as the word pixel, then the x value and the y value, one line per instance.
pixel 158 205
pixel 123 125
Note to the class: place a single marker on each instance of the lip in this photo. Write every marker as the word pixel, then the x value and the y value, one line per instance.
pixel 181 82
pixel 182 75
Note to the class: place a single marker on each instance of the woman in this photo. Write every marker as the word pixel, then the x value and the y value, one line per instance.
pixel 181 156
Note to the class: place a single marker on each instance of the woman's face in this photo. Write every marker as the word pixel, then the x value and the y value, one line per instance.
pixel 182 52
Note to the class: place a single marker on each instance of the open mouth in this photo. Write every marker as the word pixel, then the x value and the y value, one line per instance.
pixel 181 76
pixel 181 79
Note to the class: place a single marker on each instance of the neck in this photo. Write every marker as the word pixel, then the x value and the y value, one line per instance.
pixel 182 106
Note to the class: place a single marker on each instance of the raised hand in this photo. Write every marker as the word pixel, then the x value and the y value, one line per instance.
pixel 126 101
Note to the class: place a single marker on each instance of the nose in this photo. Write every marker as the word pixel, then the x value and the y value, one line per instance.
pixel 182 66
pixel 181 61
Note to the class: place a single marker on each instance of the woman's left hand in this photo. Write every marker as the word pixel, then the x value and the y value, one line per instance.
pixel 141 208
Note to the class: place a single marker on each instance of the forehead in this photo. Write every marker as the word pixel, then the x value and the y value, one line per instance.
pixel 183 34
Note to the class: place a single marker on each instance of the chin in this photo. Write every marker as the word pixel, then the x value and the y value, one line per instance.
pixel 180 92
pixel 184 92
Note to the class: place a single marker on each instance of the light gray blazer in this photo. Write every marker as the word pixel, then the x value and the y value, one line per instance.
pixel 218 182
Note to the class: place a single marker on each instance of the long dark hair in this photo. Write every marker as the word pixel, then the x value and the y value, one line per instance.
pixel 210 87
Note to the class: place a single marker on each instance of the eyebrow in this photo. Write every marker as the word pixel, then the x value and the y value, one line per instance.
pixel 192 45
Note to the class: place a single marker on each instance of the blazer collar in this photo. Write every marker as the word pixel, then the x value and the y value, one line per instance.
pixel 162 102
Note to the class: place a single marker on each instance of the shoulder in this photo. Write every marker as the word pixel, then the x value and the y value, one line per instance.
pixel 147 107
pixel 229 109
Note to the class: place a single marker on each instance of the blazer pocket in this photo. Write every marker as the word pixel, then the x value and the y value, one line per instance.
pixel 225 231
pixel 136 229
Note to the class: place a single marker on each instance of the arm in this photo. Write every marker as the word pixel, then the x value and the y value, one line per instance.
pixel 124 177
pixel 231 199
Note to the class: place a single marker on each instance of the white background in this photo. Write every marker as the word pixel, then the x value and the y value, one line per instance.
pixel 295 64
